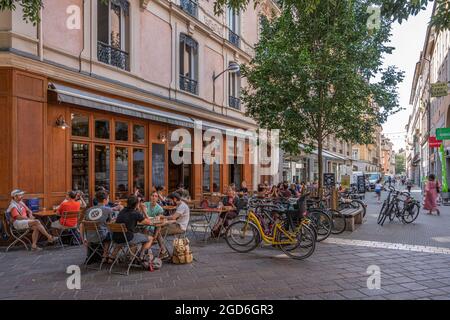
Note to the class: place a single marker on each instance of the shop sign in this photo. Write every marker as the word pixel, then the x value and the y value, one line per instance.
pixel 329 180
pixel 439 89
pixel 433 142
pixel 443 133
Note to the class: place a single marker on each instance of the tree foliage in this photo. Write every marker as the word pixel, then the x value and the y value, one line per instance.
pixel 319 73
pixel 400 163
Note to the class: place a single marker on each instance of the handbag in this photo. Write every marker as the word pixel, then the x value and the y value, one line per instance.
pixel 182 253
pixel 151 263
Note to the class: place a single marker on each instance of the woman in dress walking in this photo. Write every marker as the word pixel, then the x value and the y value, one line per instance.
pixel 432 189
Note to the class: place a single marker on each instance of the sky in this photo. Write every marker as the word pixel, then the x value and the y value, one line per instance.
pixel 408 39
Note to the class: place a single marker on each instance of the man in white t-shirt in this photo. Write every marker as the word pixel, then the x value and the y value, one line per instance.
pixel 181 217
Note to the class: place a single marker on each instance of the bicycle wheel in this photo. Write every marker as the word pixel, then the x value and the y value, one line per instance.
pixel 411 213
pixel 338 221
pixel 387 213
pixel 242 236
pixel 304 245
pixel 382 211
pixel 322 222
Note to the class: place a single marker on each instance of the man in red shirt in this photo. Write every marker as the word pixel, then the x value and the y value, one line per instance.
pixel 68 205
pixel 22 218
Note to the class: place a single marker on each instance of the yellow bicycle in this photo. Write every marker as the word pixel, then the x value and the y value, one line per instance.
pixel 297 242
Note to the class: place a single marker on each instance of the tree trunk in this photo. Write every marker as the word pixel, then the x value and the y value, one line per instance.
pixel 320 161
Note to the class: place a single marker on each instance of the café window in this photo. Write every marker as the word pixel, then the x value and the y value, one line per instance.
pixel 80 167
pixel 102 167
pixel 188 64
pixel 121 173
pixel 113 33
pixel 121 131
pixel 80 125
pixel 211 174
pixel 102 129
pixel 139 170
pixel 138 133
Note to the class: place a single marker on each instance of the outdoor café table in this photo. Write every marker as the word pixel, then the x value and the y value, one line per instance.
pixel 207 213
pixel 46 216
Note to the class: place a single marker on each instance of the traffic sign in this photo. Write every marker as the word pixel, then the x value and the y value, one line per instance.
pixel 443 133
pixel 433 142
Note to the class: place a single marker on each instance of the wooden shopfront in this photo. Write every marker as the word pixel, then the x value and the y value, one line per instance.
pixel 102 144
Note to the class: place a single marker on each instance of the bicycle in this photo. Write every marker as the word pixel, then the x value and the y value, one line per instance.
pixel 295 240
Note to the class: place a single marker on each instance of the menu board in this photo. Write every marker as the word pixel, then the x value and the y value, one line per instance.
pixel 361 184
pixel 158 164
pixel 329 180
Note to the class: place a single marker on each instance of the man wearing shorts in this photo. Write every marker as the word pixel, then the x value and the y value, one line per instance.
pixel 22 219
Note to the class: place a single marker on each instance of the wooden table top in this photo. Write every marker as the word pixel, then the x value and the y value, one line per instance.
pixel 205 210
pixel 169 207
pixel 158 224
pixel 46 213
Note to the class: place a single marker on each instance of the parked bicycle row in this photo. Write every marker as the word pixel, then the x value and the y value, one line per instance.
pixel 398 204
pixel 294 225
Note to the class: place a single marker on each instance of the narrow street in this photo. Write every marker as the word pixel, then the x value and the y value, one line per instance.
pixel 413 260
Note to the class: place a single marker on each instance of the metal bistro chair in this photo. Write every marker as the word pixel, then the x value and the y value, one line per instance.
pixel 123 248
pixel 71 230
pixel 95 247
pixel 204 223
pixel 18 235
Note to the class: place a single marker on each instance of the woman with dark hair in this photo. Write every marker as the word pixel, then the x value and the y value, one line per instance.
pixel 432 189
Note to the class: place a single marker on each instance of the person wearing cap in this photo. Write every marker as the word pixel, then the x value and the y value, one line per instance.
pixel 69 205
pixel 23 219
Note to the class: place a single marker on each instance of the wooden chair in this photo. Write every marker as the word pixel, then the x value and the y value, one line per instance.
pixel 95 247
pixel 19 236
pixel 122 248
pixel 71 230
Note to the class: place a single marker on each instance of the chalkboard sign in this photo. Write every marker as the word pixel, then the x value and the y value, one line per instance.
pixel 361 184
pixel 329 180
pixel 158 164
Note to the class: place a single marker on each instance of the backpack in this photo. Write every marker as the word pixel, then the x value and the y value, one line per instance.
pixel 182 253
pixel 151 263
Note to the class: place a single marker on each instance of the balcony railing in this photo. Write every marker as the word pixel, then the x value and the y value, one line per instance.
pixel 234 38
pixel 190 6
pixel 234 102
pixel 188 84
pixel 113 56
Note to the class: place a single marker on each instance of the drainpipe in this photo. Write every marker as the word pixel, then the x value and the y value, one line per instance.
pixel 82 34
pixel 40 37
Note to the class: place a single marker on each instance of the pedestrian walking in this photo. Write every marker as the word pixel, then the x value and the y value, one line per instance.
pixel 409 185
pixel 432 189
pixel 378 188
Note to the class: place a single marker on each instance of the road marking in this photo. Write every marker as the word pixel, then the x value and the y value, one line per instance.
pixel 388 245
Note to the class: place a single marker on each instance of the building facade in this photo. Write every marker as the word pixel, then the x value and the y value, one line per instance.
pixel 367 158
pixel 90 95
pixel 428 113
pixel 387 156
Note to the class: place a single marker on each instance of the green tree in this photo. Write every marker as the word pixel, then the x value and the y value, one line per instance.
pixel 400 163
pixel 397 10
pixel 314 75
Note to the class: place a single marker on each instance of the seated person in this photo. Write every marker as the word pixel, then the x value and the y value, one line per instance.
pixel 115 206
pixel 153 209
pixel 102 214
pixel 232 201
pixel 162 200
pixel 181 216
pixel 284 191
pixel 184 193
pixel 80 199
pixel 130 216
pixel 68 205
pixel 22 218
pixel 293 190
pixel 244 189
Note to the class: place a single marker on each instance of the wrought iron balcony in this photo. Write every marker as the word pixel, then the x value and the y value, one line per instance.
pixel 188 84
pixel 113 56
pixel 190 6
pixel 234 38
pixel 234 102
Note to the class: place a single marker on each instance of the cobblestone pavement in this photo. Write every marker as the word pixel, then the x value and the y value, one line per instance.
pixel 413 264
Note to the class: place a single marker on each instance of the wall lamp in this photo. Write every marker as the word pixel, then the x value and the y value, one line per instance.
pixel 233 67
pixel 61 122
pixel 162 137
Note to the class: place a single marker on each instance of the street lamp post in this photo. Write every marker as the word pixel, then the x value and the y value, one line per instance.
pixel 233 67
